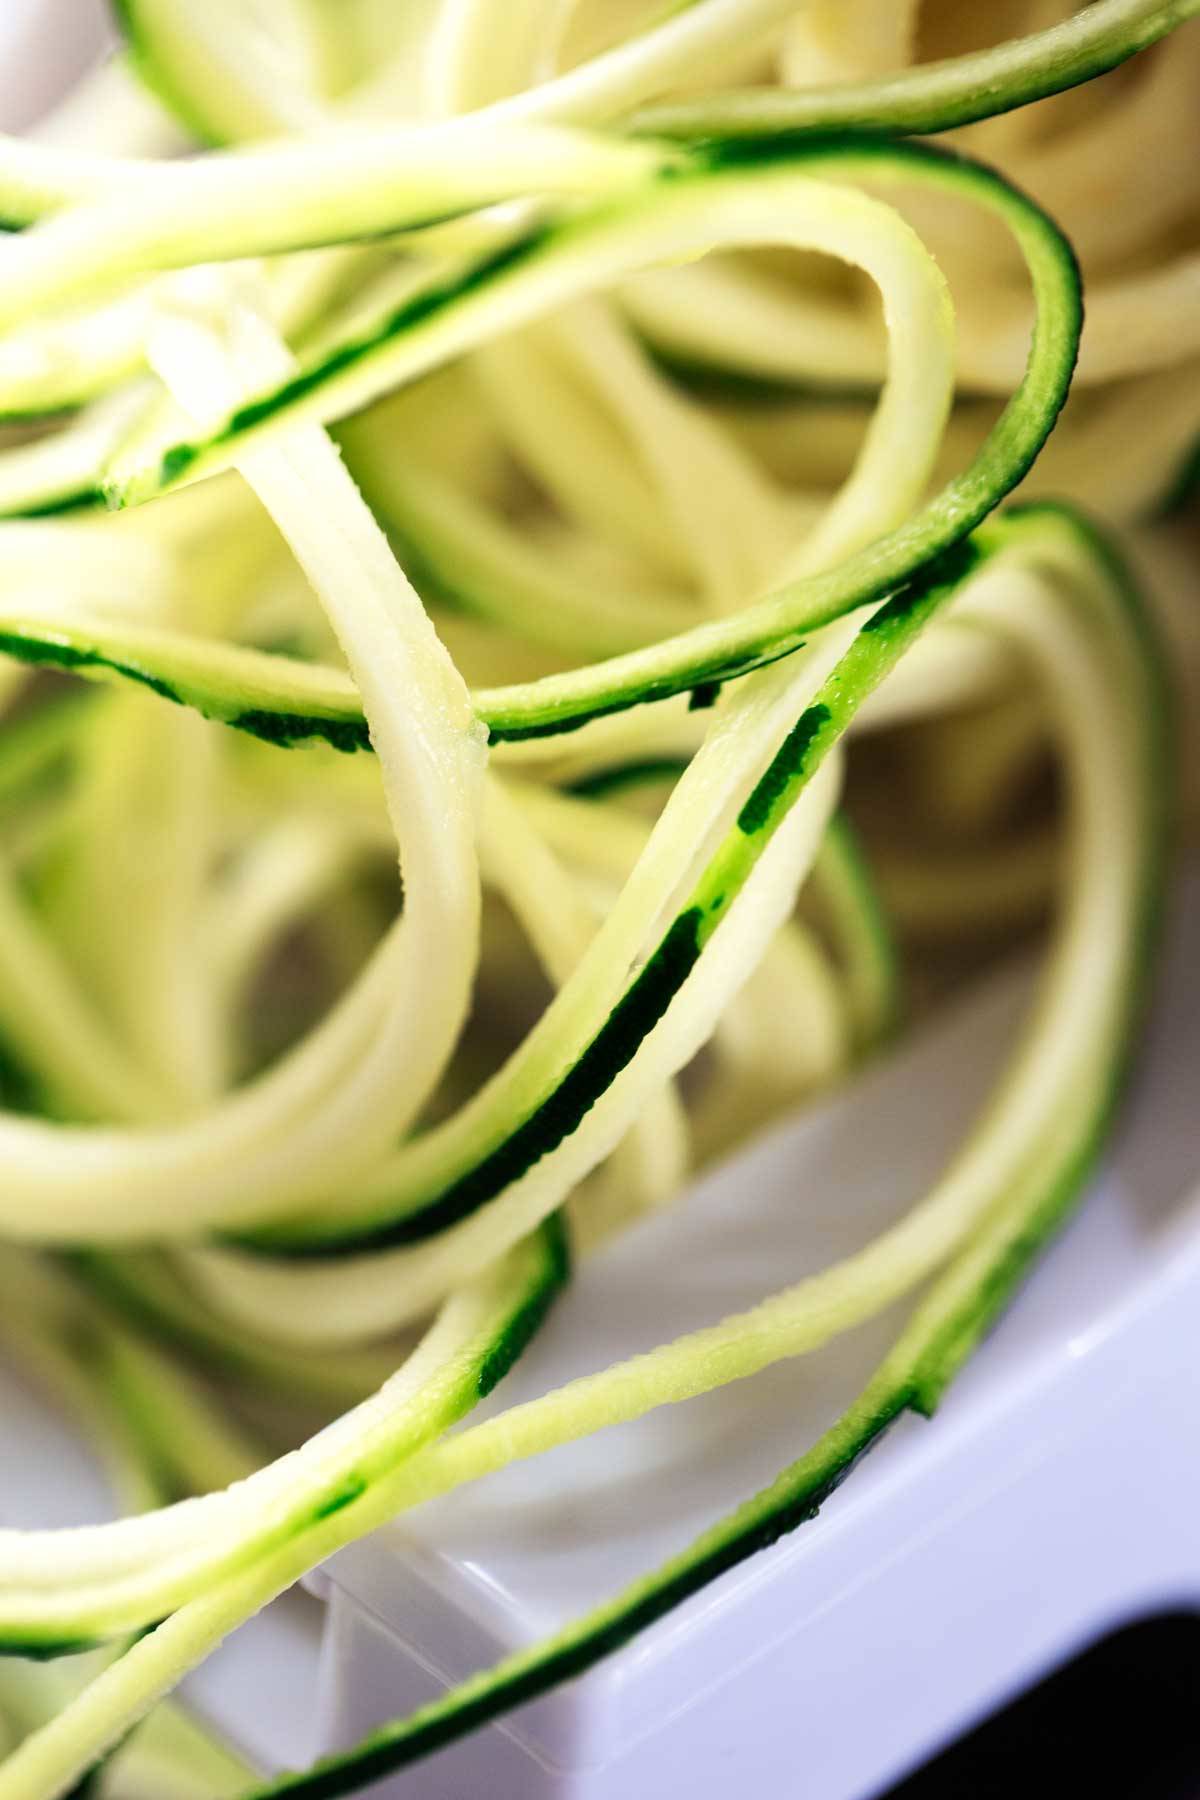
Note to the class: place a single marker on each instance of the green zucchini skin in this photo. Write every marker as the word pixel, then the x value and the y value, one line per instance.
pixel 962 1306
pixel 213 105
pixel 48 1649
pixel 792 1500
pixel 135 23
pixel 879 645
pixel 707 655
pixel 946 1329
pixel 257 692
pixel 858 923
pixel 939 96
pixel 925 100
pixel 540 1270
pixel 529 1315
pixel 1186 484
pixel 215 688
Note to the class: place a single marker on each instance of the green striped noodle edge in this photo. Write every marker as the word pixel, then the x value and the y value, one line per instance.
pixel 538 1270
pixel 964 1302
pixel 286 702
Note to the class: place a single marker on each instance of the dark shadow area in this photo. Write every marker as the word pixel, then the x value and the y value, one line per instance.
pixel 1122 1720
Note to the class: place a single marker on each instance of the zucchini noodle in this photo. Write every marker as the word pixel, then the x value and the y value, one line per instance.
pixel 520 669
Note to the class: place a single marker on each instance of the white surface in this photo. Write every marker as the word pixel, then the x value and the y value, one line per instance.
pixel 1053 1496
pixel 49 1478
pixel 45 45
pixel 261 1684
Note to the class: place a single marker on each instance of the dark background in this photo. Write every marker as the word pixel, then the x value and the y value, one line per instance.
pixel 1121 1720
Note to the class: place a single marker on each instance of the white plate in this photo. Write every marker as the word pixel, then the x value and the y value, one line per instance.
pixel 1054 1495
pixel 45 45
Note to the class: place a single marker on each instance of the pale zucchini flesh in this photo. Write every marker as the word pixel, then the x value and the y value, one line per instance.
pixel 664 785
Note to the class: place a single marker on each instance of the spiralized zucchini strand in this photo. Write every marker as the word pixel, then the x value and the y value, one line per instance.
pixel 469 1347
pixel 576 427
pixel 938 96
pixel 1102 683
pixel 354 185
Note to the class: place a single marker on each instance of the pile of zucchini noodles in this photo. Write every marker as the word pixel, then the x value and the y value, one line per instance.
pixel 571 454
